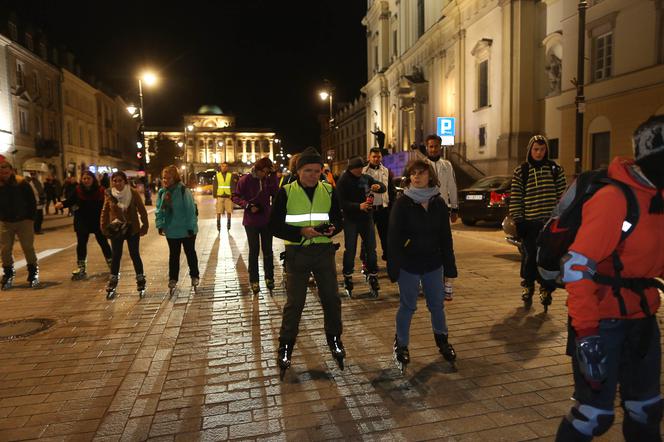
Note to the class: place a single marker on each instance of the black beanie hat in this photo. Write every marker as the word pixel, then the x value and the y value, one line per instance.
pixel 355 163
pixel 308 156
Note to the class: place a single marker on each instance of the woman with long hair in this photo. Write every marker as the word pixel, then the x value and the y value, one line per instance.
pixel 124 218
pixel 420 251
pixel 86 202
pixel 177 220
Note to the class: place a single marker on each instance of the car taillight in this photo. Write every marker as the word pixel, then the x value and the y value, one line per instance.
pixel 498 199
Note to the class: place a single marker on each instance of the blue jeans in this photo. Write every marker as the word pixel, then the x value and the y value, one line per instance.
pixel 366 231
pixel 409 288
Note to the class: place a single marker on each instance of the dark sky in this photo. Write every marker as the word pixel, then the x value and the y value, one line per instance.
pixel 261 60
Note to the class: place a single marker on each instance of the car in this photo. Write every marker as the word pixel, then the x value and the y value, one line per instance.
pixel 485 200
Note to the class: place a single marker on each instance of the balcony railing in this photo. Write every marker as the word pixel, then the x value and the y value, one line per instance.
pixel 46 147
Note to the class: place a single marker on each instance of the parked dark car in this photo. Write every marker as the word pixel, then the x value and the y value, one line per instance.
pixel 486 200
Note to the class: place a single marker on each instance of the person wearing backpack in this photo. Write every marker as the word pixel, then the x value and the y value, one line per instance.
pixel 614 336
pixel 177 219
pixel 537 185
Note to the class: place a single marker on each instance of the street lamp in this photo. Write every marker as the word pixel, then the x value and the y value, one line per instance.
pixel 580 100
pixel 150 79
pixel 324 95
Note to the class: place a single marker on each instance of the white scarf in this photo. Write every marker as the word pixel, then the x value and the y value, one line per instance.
pixel 123 196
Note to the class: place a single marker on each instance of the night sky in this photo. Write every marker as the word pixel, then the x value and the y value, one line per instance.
pixel 261 60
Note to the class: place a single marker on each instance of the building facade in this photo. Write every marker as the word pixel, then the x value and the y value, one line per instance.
pixel 210 137
pixel 6 117
pixel 504 70
pixel 347 138
pixel 80 124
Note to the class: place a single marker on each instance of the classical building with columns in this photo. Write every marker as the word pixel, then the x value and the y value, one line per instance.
pixel 504 70
pixel 211 137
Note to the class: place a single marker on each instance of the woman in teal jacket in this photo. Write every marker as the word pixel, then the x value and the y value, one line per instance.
pixel 177 219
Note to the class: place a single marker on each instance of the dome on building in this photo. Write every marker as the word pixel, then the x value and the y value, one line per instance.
pixel 210 109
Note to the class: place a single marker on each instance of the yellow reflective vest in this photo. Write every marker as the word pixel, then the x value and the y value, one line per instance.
pixel 224 185
pixel 303 212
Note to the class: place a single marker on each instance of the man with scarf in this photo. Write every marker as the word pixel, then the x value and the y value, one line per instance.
pixel 614 334
pixel 446 186
pixel 381 201
pixel 17 213
pixel 537 185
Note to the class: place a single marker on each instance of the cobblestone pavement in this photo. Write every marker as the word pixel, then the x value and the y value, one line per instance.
pixel 202 366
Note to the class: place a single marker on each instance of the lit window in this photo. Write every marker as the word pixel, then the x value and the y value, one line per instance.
pixel 20 74
pixel 603 56
pixel 23 121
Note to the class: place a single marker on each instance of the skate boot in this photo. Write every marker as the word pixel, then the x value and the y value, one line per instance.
pixel 337 349
pixel 33 276
pixel 527 295
pixel 545 298
pixel 228 224
pixel 80 272
pixel 255 288
pixel 445 348
pixel 140 285
pixel 109 262
pixel 269 283
pixel 172 284
pixel 8 277
pixel 195 282
pixel 401 355
pixel 112 286
pixel 284 357
pixel 364 269
pixel 374 286
pixel 218 225
pixel 348 285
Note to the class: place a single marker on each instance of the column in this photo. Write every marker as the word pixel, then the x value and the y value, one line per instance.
pixel 253 150
pixel 271 153
pixel 244 149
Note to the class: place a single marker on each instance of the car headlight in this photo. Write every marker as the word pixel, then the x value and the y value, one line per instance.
pixel 199 189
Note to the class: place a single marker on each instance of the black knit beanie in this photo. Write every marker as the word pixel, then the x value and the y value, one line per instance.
pixel 308 156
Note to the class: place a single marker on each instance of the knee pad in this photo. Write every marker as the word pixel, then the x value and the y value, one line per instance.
pixel 590 421
pixel 644 412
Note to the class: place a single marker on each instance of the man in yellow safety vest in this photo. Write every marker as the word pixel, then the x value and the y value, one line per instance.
pixel 221 190
pixel 306 214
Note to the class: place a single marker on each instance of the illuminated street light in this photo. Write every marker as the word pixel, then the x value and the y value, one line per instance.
pixel 323 95
pixel 132 110
pixel 149 78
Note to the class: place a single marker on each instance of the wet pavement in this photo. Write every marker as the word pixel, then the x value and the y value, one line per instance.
pixel 202 366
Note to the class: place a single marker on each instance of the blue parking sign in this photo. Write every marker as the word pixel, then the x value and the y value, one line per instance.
pixel 446 127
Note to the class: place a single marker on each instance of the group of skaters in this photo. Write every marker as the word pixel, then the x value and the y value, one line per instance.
pixel 609 270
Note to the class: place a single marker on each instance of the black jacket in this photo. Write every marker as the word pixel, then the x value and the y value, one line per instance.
pixel 420 240
pixel 86 206
pixel 352 191
pixel 17 200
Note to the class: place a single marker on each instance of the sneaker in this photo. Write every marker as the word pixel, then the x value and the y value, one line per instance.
pixel 449 291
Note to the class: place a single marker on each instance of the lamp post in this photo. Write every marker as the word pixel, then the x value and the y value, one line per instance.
pixel 580 100
pixel 150 79
pixel 325 95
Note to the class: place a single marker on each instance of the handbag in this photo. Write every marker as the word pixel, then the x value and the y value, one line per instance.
pixel 117 229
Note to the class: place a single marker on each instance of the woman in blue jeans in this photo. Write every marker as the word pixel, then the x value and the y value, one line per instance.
pixel 420 251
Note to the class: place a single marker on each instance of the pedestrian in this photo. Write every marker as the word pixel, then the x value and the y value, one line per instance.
pixel 306 215
pixel 447 188
pixel 124 218
pixel 40 197
pixel 537 185
pixel 105 181
pixel 254 193
pixel 381 201
pixel 57 186
pixel 328 176
pixel 86 202
pixel 614 334
pixel 356 192
pixel 177 220
pixel 49 192
pixel 292 171
pixel 223 185
pixel 67 191
pixel 17 213
pixel 421 253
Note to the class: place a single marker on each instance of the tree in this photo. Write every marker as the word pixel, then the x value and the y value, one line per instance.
pixel 166 153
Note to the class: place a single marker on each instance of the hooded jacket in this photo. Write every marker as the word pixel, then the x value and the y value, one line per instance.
pixel 534 199
pixel 642 253
pixel 176 212
pixel 250 190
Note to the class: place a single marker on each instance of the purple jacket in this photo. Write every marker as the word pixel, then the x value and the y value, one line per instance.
pixel 252 191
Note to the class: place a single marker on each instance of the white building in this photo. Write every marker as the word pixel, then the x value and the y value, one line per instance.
pixel 6 120
pixel 503 69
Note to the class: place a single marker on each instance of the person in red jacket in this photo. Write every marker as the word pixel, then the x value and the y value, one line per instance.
pixel 614 335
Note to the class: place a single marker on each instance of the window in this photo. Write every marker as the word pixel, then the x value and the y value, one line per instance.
pixel 420 18
pixel 23 121
pixel 91 143
pixel 483 84
pixel 49 89
pixel 394 43
pixel 38 126
pixel 20 74
pixel 602 56
pixel 13 30
pixel 375 51
pixel 482 136
pixel 52 131
pixel 601 149
pixel 553 149
pixel 70 133
pixel 29 43
pixel 35 81
pixel 80 136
